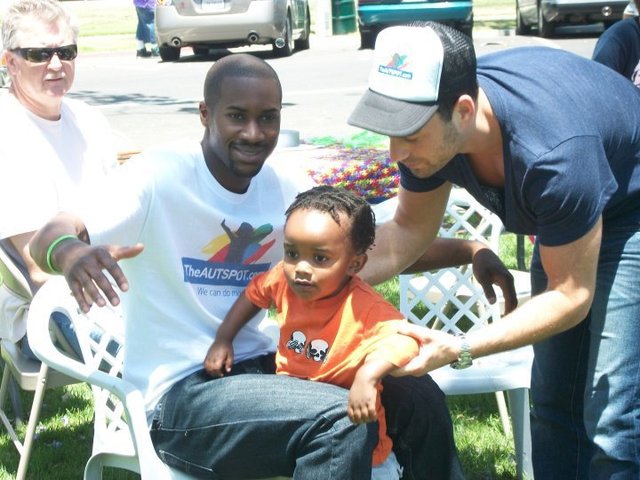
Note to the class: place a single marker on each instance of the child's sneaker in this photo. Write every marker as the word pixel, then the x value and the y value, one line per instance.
pixel 143 53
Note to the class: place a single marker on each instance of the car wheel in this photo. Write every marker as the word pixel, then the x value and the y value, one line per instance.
pixel 521 27
pixel 287 49
pixel 201 51
pixel 368 39
pixel 467 28
pixel 303 42
pixel 545 29
pixel 169 54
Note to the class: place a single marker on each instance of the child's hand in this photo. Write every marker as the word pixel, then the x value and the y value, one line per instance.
pixel 219 358
pixel 362 402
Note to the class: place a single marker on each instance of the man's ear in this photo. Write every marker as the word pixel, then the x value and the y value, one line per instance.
pixel 464 111
pixel 10 60
pixel 204 114
pixel 357 263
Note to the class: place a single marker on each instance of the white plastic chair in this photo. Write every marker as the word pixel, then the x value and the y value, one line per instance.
pixel 121 434
pixel 28 374
pixel 451 300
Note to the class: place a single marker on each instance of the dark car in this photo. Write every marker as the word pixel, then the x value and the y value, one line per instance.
pixel 374 15
pixel 545 15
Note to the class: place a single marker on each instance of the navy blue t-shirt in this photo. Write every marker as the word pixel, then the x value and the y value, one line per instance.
pixel 619 47
pixel 571 147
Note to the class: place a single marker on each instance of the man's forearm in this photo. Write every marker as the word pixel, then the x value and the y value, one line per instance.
pixel 395 249
pixel 59 226
pixel 445 253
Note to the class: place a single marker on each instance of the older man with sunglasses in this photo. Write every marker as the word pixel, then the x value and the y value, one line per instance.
pixel 51 147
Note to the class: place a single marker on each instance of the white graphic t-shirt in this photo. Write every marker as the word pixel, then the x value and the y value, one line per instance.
pixel 202 245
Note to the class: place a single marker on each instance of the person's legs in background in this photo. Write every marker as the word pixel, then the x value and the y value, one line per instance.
pixel 419 424
pixel 64 336
pixel 146 33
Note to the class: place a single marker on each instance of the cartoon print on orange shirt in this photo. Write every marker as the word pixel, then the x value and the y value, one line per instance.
pixel 316 350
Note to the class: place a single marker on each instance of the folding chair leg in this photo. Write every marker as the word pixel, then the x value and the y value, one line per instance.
pixel 4 393
pixel 504 413
pixel 34 416
pixel 4 386
pixel 16 402
pixel 14 395
pixel 519 406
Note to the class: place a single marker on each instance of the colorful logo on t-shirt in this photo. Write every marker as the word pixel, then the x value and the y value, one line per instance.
pixel 396 67
pixel 231 257
pixel 241 245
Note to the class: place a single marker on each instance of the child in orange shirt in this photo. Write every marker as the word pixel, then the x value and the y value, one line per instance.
pixel 334 328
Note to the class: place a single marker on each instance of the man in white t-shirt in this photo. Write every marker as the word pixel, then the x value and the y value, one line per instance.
pixel 51 147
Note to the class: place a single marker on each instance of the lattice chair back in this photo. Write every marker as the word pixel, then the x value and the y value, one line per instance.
pixel 451 300
pixel 103 350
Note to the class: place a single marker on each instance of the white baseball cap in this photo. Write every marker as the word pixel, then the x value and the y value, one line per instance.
pixel 413 68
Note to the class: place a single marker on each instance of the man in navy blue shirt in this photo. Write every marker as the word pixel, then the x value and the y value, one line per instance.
pixel 535 135
pixel 619 48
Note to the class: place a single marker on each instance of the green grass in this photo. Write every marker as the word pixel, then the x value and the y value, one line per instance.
pixel 486 6
pixel 97 18
pixel 494 14
pixel 105 28
pixel 64 436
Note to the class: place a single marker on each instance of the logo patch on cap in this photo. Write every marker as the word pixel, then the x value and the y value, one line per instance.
pixel 396 67
pixel 414 74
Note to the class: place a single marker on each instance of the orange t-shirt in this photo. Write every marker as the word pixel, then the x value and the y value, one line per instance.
pixel 328 340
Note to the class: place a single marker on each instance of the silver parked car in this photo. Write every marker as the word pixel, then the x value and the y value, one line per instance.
pixel 206 24
pixel 545 15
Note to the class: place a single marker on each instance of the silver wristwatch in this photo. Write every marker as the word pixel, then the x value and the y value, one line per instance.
pixel 465 360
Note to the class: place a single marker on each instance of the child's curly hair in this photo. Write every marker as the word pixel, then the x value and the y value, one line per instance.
pixel 332 200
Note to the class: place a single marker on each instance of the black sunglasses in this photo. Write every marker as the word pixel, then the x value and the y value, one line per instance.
pixel 41 55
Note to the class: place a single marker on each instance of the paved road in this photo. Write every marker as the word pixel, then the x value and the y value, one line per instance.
pixel 148 101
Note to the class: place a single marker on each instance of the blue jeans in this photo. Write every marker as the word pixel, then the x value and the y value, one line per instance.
pixel 585 381
pixel 260 426
pixel 145 31
pixel 390 469
pixel 69 338
pixel 418 422
pixel 64 336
